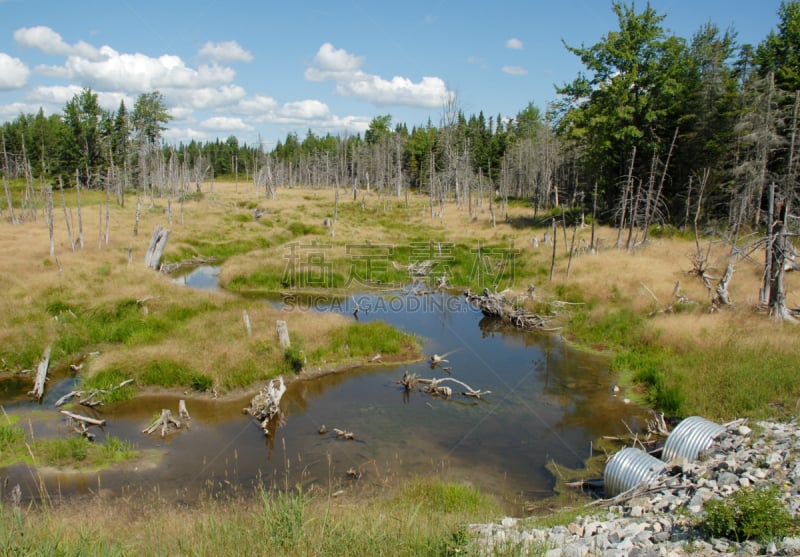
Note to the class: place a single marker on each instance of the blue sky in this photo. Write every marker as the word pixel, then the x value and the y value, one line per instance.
pixel 258 70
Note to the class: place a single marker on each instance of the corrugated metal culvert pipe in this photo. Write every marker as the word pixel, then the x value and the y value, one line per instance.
pixel 628 468
pixel 689 438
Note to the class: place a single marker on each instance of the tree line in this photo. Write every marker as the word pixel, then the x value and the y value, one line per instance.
pixel 656 129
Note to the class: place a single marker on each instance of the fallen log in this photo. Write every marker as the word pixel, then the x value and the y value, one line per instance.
pixel 169 268
pixel 61 401
pixel 83 419
pixel 41 375
pixel 496 305
pixel 266 404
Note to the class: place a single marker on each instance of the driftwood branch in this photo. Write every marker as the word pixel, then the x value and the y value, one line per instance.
pixel 83 419
pixel 89 399
pixel 436 387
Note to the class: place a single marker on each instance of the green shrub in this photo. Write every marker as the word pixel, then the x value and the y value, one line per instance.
pixel 295 357
pixel 749 514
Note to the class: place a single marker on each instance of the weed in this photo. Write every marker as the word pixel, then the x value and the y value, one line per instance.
pixel 10 435
pixel 749 514
pixel 108 380
pixel 117 450
pixel 283 516
pixel 295 358
pixel 63 452
pixel 169 373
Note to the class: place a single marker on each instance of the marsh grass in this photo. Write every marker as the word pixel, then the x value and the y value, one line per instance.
pixel 365 340
pixel 427 518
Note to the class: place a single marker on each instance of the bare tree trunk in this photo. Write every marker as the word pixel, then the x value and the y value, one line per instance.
pixel 628 186
pixel 767 279
pixel 594 216
pixel 66 215
pixel 50 220
pixel 78 201
pixel 553 259
pixel 572 248
pixel 779 252
pixel 648 213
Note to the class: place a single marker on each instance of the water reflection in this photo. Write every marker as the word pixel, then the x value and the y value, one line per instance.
pixel 203 277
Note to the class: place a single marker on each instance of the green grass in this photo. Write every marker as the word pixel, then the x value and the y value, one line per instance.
pixel 125 322
pixel 218 250
pixel 69 451
pixel 107 380
pixel 169 373
pixel 10 436
pixel 363 340
pixel 427 518
pixel 246 374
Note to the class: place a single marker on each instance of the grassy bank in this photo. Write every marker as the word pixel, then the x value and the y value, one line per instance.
pixel 138 324
pixel 425 517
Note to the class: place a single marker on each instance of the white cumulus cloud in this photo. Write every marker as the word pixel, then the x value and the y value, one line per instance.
pixel 229 51
pixel 514 44
pixel 226 124
pixel 344 69
pixel 515 70
pixel 255 105
pixel 13 72
pixel 48 41
pixel 106 68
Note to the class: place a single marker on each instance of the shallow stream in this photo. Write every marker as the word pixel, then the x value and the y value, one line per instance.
pixel 548 402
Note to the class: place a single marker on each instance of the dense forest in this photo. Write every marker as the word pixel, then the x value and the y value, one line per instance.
pixel 656 129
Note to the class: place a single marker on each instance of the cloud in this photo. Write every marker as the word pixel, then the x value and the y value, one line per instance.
pixel 514 44
pixel 304 110
pixel 229 51
pixel 331 63
pixel 205 98
pixel 53 94
pixel 105 68
pixel 257 104
pixel 57 96
pixel 11 111
pixel 225 123
pixel 515 70
pixel 13 72
pixel 137 73
pixel 344 69
pixel 175 135
pixel 48 41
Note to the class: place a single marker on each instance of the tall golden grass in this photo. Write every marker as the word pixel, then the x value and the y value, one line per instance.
pixel 213 341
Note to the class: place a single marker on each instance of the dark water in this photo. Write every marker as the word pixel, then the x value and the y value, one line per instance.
pixel 547 402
